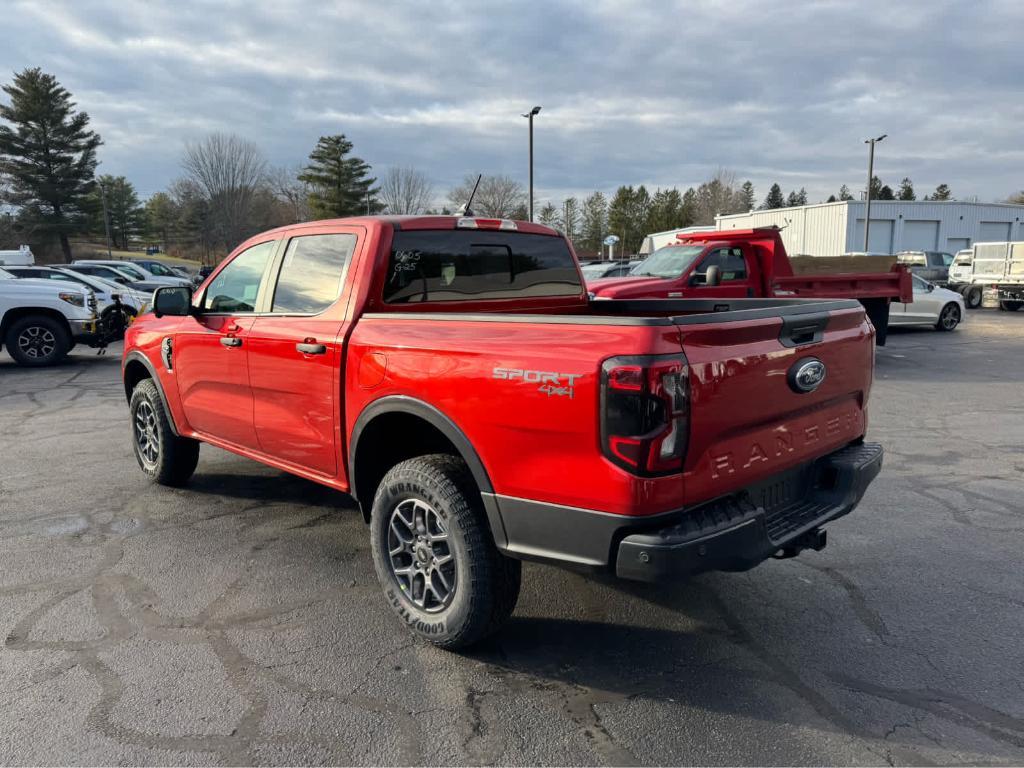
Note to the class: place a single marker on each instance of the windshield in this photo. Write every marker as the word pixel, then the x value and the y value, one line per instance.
pixel 920 283
pixel 670 261
pixel 159 269
pixel 5 275
pixel 593 270
pixel 131 271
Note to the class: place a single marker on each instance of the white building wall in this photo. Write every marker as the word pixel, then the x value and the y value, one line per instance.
pixel 830 229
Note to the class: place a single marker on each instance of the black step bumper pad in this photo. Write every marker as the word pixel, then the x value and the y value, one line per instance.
pixel 737 532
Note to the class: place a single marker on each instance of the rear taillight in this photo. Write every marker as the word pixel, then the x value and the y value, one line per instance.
pixel 645 413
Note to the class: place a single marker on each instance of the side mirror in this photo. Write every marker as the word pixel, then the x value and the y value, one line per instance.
pixel 713 276
pixel 172 300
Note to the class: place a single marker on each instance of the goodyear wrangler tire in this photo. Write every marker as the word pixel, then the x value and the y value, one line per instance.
pixel 435 556
pixel 165 457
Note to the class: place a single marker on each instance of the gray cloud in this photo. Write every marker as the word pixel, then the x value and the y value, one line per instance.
pixel 655 93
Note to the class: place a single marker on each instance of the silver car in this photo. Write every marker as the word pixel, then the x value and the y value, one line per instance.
pixel 934 306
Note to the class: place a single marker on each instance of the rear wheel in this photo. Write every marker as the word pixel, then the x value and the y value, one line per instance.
pixel 37 340
pixel 949 317
pixel 1010 306
pixel 435 556
pixel 972 296
pixel 165 457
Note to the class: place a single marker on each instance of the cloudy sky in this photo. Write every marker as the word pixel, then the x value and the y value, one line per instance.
pixel 657 93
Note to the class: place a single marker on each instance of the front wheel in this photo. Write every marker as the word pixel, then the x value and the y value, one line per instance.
pixel 949 318
pixel 38 340
pixel 435 556
pixel 1010 306
pixel 165 457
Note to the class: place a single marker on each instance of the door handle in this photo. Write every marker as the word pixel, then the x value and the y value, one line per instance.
pixel 311 349
pixel 230 341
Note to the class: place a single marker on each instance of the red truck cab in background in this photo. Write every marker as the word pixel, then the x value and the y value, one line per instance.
pixel 750 263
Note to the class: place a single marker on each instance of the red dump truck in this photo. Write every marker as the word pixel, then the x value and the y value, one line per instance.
pixel 751 263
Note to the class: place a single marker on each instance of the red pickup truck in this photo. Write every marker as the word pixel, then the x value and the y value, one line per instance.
pixel 751 262
pixel 453 376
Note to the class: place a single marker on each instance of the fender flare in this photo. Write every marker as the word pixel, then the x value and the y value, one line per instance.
pixel 431 415
pixel 137 356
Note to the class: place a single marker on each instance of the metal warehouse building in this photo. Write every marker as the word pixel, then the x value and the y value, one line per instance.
pixel 831 229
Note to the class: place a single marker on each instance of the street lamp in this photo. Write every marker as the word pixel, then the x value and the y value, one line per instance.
pixel 530 115
pixel 871 175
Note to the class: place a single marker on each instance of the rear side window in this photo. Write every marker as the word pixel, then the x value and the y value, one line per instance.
pixel 466 265
pixel 312 273
pixel 236 286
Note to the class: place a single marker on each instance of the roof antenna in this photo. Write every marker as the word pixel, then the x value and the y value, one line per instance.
pixel 466 210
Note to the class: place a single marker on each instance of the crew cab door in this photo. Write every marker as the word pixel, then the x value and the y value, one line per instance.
pixel 738 273
pixel 209 353
pixel 295 350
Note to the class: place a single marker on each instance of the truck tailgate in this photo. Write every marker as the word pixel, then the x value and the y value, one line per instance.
pixel 748 420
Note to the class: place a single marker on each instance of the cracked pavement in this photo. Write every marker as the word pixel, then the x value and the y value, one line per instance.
pixel 238 620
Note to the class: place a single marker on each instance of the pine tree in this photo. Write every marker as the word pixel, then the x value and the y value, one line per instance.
pixel 942 192
pixel 161 214
pixel 341 185
pixel 746 196
pixel 886 193
pixel 48 154
pixel 774 199
pixel 831 199
pixel 595 222
pixel 906 190
pixel 549 216
pixel 844 193
pixel 124 213
pixel 571 218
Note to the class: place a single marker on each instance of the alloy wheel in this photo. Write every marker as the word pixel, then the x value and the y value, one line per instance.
pixel 37 342
pixel 420 556
pixel 146 434
pixel 950 317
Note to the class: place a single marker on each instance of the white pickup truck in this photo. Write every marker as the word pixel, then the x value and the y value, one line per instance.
pixel 40 320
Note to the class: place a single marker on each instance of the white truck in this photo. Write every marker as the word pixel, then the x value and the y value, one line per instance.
pixel 23 257
pixel 997 266
pixel 40 320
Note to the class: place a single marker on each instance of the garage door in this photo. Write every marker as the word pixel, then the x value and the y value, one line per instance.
pixel 954 244
pixel 993 232
pixel 920 235
pixel 881 235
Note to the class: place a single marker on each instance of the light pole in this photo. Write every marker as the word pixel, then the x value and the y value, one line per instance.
pixel 871 175
pixel 530 115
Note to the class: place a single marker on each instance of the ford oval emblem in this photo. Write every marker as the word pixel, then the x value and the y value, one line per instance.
pixel 806 375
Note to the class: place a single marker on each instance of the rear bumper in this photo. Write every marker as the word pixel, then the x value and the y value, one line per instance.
pixel 783 514
pixel 738 532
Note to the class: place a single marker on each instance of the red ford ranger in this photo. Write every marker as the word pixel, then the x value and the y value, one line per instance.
pixel 453 376
pixel 748 263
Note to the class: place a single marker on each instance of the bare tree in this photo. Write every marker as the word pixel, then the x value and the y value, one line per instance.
pixel 405 191
pixel 229 169
pixel 291 191
pixel 498 196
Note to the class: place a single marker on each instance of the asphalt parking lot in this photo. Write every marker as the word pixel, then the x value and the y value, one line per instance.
pixel 239 620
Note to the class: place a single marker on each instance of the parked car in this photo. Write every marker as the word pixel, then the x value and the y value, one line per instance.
pixel 160 269
pixel 116 304
pixel 139 272
pixel 117 275
pixel 453 376
pixel 40 321
pixel 932 266
pixel 23 256
pixel 932 305
pixel 606 269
